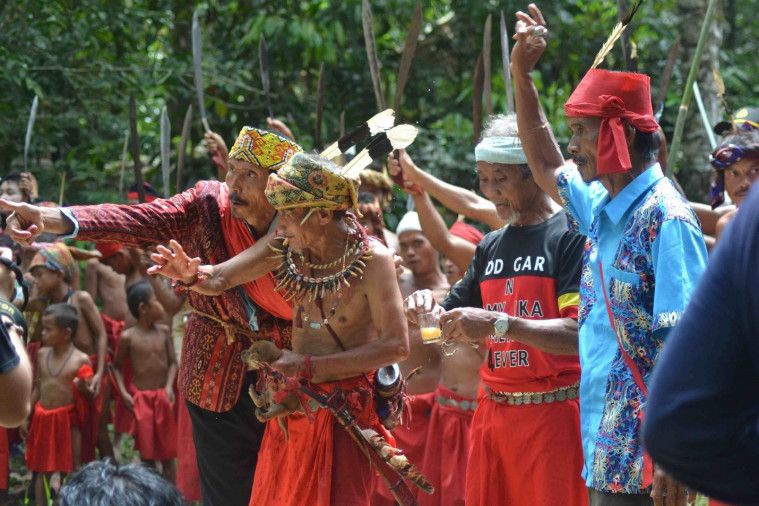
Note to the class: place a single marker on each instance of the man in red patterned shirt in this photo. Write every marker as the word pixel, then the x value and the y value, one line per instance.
pixel 214 221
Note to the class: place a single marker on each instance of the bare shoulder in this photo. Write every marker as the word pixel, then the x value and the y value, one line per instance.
pixel 724 220
pixel 80 358
pixel 382 260
pixel 163 329
pixel 82 298
pixel 42 352
pixel 127 334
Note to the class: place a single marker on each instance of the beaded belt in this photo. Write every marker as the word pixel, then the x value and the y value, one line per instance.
pixel 518 398
pixel 465 405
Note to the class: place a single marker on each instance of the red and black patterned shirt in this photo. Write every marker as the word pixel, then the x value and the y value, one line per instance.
pixel 211 372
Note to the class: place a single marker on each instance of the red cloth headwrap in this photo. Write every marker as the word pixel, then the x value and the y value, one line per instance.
pixel 108 248
pixel 613 97
pixel 466 232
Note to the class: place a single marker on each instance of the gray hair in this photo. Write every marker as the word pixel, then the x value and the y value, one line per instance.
pixel 501 125
pixel 504 125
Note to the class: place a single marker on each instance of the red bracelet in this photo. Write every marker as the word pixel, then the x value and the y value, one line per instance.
pixel 307 372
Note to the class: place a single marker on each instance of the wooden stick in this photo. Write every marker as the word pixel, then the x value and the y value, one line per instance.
pixel 674 148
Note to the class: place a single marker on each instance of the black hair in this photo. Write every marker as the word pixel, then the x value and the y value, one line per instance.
pixel 12 176
pixel 64 315
pixel 138 293
pixel 105 483
pixel 646 145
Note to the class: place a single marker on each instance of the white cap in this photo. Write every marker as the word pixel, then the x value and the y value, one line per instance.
pixel 409 223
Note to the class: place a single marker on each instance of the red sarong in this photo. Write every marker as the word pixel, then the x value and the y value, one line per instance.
pixel 410 438
pixel 155 426
pixel 123 419
pixel 446 450
pixel 319 465
pixel 188 477
pixel 527 454
pixel 4 459
pixel 88 413
pixel 49 446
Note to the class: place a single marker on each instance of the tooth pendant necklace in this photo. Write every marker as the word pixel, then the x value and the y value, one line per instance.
pixel 294 284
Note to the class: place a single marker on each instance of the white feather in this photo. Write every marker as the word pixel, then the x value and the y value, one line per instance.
pixel 402 136
pixel 381 121
pixel 377 123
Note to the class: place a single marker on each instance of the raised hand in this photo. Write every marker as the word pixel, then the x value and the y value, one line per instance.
pixel 531 34
pixel 279 126
pixel 174 263
pixel 216 143
pixel 404 171
pixel 25 222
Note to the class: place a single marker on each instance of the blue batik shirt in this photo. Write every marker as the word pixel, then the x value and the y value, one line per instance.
pixel 650 244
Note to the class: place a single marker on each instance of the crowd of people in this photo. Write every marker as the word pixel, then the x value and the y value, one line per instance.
pixel 534 352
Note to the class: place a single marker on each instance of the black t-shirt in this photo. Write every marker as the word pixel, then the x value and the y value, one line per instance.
pixel 530 272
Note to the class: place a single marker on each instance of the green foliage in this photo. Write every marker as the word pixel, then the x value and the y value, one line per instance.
pixel 84 58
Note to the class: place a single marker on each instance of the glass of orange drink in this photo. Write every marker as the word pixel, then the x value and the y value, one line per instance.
pixel 429 326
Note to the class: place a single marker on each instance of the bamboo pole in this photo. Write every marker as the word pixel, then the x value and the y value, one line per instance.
pixel 677 137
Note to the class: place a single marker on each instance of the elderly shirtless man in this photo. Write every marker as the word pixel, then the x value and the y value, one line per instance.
pixel 353 326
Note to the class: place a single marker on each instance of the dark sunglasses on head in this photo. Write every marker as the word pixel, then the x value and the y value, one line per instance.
pixel 726 156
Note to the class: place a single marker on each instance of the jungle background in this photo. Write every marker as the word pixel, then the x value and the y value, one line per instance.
pixel 84 59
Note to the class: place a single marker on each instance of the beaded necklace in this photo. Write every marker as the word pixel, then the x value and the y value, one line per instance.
pixel 296 284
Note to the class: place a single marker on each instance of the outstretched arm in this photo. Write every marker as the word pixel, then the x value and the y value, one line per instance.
pixel 543 153
pixel 254 262
pixel 455 198
pixel 456 249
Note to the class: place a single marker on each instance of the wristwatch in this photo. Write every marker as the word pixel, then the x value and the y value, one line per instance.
pixel 501 326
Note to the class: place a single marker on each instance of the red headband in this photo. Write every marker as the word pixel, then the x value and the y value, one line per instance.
pixel 613 97
pixel 108 249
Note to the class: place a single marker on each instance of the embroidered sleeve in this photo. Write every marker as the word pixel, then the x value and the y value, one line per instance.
pixel 679 258
pixel 141 225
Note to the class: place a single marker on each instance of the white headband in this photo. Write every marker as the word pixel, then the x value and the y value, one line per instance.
pixel 500 150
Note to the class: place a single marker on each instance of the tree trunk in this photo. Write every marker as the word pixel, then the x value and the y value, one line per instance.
pixel 694 166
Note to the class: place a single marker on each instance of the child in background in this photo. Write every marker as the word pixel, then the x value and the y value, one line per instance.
pixel 53 443
pixel 149 346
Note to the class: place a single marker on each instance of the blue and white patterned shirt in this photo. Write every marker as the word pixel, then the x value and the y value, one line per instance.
pixel 650 244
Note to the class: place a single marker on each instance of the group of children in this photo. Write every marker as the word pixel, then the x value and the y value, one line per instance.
pixel 75 378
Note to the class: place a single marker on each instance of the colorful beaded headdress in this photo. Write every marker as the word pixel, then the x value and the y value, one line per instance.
pixel 265 149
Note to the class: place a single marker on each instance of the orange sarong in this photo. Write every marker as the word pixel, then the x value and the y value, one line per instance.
pixel 526 454
pixel 410 438
pixel 319 465
pixel 446 451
